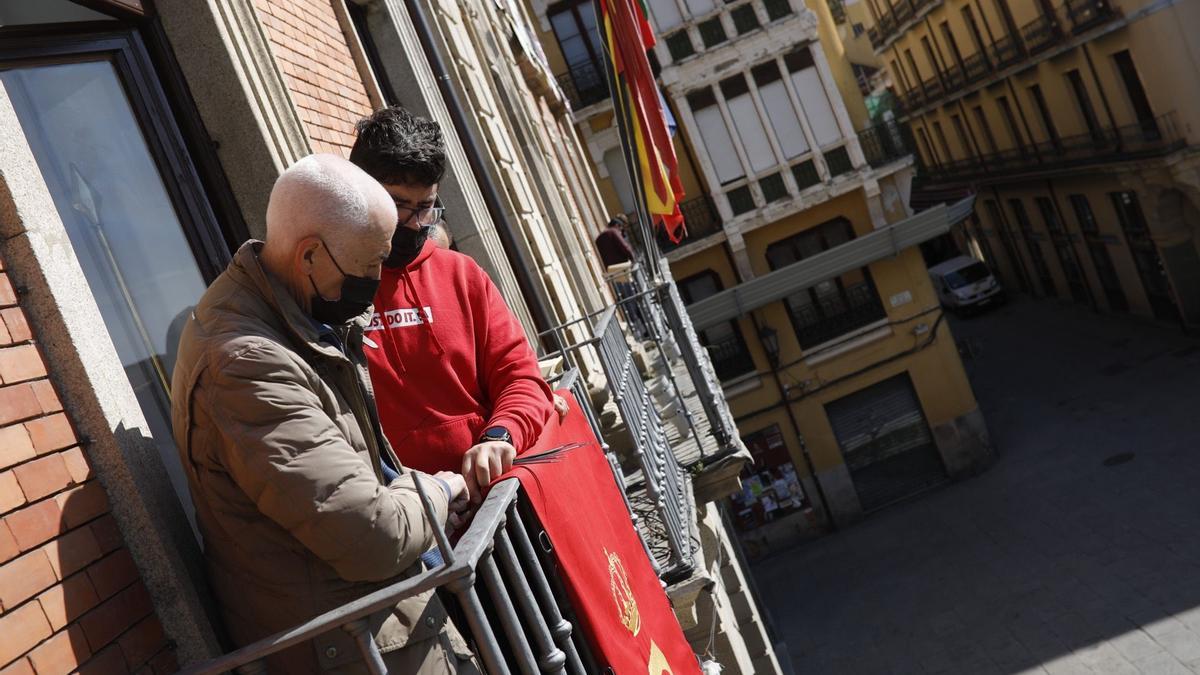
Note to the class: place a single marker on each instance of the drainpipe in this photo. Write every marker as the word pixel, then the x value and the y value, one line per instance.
pixel 518 259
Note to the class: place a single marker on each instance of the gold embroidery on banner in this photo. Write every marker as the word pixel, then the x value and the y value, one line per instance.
pixel 618 579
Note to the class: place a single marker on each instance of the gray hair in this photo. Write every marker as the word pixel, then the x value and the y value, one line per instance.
pixel 326 196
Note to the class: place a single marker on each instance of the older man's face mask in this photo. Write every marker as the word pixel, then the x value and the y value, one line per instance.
pixel 356 296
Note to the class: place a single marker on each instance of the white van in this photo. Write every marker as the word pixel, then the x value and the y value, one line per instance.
pixel 964 283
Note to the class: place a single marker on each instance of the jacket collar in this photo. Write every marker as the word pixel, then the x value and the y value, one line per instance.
pixel 247 270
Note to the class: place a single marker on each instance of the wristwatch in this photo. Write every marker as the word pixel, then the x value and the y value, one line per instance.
pixel 496 435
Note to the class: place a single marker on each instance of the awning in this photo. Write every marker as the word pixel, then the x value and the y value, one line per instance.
pixel 883 243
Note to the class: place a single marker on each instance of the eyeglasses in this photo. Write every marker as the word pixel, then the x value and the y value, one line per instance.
pixel 429 215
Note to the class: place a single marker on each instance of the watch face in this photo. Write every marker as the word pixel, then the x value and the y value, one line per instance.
pixel 497 434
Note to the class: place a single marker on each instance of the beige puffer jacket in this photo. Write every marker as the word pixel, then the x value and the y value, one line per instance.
pixel 276 434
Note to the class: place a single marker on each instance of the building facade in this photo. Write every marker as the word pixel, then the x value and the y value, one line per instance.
pixel 138 145
pixel 847 385
pixel 1077 126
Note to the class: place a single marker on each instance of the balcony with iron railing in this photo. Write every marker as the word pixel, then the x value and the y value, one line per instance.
pixel 835 315
pixel 885 143
pixel 680 439
pixel 1036 39
pixel 584 84
pixel 1152 138
pixel 701 219
pixel 1072 18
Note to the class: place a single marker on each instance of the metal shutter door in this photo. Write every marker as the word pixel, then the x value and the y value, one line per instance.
pixel 886 442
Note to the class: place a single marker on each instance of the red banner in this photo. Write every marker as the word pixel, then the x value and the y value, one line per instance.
pixel 625 613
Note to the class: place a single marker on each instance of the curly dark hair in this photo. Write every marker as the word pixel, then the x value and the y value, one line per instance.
pixel 395 146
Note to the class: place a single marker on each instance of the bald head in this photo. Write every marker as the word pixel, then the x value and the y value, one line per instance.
pixel 324 206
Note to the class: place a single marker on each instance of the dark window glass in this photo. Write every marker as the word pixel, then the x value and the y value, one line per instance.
pixel 1136 93
pixel 773 187
pixel 1039 101
pixel 679 44
pixel 1084 103
pixel 701 99
pixel 798 60
pixel 712 32
pixel 735 86
pixel 777 9
pixel 745 20
pixel 741 200
pixel 838 161
pixel 766 73
pixel 806 174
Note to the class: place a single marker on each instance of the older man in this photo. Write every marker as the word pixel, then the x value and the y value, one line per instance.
pixel 302 503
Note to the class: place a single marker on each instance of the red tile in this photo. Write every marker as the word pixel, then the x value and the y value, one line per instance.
pixel 8 296
pixel 35 524
pixel 21 363
pixel 11 495
pixel 8 545
pixel 107 534
pixel 20 630
pixel 61 654
pixel 24 578
pixel 19 667
pixel 109 661
pixel 15 324
pixel 143 641
pixel 72 552
pixel 43 477
pixel 103 624
pixel 82 504
pixel 113 573
pixel 77 464
pixel 66 602
pixel 52 432
pixel 15 445
pixel 47 396
pixel 18 402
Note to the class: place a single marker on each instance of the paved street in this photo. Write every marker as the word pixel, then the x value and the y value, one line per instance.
pixel 1051 562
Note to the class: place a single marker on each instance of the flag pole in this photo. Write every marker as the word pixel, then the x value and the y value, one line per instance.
pixel 622 111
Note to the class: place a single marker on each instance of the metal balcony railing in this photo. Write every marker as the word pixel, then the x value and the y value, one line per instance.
pixel 885 143
pixel 584 84
pixel 1041 34
pixel 976 67
pixel 1086 14
pixel 530 610
pixel 1140 140
pixel 834 316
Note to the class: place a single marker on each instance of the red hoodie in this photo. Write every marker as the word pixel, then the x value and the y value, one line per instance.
pixel 448 359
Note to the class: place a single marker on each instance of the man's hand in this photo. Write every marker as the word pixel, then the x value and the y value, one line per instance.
pixel 459 501
pixel 561 407
pixel 484 463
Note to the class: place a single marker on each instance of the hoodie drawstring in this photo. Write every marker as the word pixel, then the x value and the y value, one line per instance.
pixel 425 320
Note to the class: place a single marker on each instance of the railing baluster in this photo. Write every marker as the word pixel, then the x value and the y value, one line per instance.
pixel 360 630
pixel 549 657
pixel 517 641
pixel 560 628
pixel 481 629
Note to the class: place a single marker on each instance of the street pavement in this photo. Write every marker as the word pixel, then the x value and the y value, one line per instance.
pixel 1077 552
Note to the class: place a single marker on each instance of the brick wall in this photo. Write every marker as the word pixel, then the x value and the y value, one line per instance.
pixel 311 50
pixel 71 598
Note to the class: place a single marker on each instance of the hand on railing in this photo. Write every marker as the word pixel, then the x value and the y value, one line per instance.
pixel 484 463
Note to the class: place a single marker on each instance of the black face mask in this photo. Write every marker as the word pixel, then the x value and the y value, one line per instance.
pixel 357 295
pixel 406 244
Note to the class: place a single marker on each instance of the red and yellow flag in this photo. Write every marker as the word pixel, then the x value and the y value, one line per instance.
pixel 628 35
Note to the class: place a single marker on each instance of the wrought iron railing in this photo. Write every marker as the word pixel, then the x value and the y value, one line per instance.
pixel 1041 34
pixel 832 317
pixel 1148 138
pixel 885 143
pixel 584 84
pixel 976 67
pixel 1086 14
pixel 529 610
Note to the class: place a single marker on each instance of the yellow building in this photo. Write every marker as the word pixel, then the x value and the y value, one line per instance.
pixel 824 329
pixel 1077 125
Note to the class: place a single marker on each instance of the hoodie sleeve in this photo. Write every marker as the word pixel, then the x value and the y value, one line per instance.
pixel 521 399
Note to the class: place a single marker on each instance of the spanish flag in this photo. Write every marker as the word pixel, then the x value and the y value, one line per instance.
pixel 627 35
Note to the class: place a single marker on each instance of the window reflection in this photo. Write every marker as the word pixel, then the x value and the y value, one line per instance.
pixel 120 220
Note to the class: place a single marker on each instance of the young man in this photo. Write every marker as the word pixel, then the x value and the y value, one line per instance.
pixel 301 502
pixel 457 383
